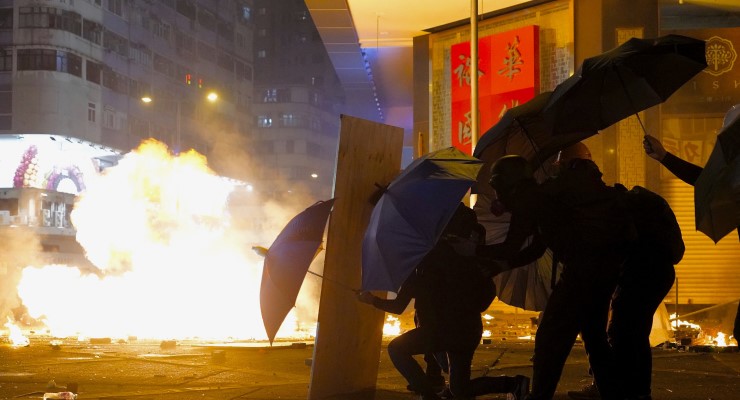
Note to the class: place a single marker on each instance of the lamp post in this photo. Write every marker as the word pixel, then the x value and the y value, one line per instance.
pixel 211 97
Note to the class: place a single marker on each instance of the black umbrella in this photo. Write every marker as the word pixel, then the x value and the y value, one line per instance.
pixel 628 79
pixel 523 130
pixel 717 190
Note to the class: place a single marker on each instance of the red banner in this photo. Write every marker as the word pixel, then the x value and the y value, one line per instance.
pixel 508 75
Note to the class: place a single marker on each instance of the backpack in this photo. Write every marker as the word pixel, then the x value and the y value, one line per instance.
pixel 656 224
pixel 588 217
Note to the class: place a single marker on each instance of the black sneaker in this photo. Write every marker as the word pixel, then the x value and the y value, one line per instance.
pixel 521 390
pixel 589 392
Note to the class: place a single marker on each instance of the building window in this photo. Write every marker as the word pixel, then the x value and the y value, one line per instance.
pixel 109 118
pixel 93 71
pixel 6 59
pixel 269 96
pixel 289 147
pixel 246 13
pixel 263 121
pixel 49 17
pixel 6 18
pixel 91 112
pixel 262 32
pixel 261 54
pixel 116 7
pixel 49 60
pixel 92 31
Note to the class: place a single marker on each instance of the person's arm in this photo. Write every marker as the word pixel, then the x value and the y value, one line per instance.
pixel 393 306
pixel 683 169
pixel 521 227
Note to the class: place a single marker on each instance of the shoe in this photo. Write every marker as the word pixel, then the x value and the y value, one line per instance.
pixel 445 394
pixel 521 390
pixel 589 392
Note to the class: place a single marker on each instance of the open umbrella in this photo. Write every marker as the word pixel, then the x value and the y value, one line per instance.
pixel 287 261
pixel 411 214
pixel 630 78
pixel 523 130
pixel 717 190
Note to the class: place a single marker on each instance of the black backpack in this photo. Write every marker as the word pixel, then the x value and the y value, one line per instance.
pixel 656 224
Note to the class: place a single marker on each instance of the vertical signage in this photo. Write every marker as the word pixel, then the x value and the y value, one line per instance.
pixel 508 75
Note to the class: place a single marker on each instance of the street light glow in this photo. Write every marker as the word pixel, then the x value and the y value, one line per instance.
pixel 314 175
pixel 146 99
pixel 212 96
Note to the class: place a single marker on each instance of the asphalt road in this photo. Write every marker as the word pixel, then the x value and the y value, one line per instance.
pixel 145 371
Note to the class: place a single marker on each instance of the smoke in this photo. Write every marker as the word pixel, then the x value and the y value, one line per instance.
pixel 19 247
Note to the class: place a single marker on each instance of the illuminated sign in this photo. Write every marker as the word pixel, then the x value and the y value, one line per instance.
pixel 508 75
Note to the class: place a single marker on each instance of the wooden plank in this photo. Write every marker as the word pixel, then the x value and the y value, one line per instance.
pixel 349 333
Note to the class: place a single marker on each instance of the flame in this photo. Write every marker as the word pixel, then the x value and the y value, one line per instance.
pixel 170 262
pixel 392 326
pixel 17 339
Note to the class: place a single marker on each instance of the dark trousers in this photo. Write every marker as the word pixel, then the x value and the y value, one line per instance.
pixel 641 288
pixel 579 303
pixel 418 341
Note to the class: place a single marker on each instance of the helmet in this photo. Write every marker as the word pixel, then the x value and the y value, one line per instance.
pixel 507 172
pixel 575 151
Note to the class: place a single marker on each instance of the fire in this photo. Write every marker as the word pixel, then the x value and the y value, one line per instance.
pixel 392 326
pixel 170 262
pixel 17 339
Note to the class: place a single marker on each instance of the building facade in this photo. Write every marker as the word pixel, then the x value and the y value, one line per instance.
pixel 298 102
pixel 72 80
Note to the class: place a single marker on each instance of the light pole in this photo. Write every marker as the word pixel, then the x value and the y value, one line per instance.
pixel 211 97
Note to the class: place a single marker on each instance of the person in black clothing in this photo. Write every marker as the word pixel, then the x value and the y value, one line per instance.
pixel 580 221
pixel 646 277
pixel 689 173
pixel 449 318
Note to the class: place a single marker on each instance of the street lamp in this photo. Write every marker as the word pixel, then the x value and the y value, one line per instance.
pixel 210 97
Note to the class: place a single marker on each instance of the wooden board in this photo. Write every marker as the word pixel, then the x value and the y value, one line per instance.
pixel 349 333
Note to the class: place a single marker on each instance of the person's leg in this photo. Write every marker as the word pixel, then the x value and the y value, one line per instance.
pixel 401 351
pixel 554 339
pixel 593 323
pixel 460 362
pixel 641 291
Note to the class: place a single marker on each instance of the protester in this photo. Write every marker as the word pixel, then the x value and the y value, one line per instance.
pixel 646 277
pixel 689 173
pixel 580 220
pixel 450 292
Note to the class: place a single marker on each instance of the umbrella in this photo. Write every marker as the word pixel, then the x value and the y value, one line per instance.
pixel 527 287
pixel 287 261
pixel 523 130
pixel 717 190
pixel 411 214
pixel 630 78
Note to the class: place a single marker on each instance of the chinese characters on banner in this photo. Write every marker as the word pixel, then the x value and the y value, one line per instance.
pixel 508 75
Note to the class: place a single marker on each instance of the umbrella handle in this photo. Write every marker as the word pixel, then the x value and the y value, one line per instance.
pixel 629 98
pixel 333 281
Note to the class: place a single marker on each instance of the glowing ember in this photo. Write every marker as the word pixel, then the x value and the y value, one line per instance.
pixel 171 264
pixel 392 326
pixel 15 335
pixel 486 333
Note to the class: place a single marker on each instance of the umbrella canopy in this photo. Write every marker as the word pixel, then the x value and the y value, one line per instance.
pixel 630 78
pixel 523 130
pixel 287 261
pixel 411 214
pixel 717 190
